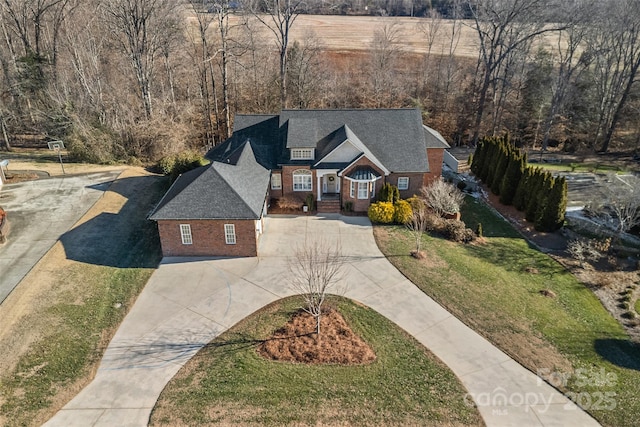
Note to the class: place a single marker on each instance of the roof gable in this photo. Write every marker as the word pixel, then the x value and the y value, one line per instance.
pixel 218 191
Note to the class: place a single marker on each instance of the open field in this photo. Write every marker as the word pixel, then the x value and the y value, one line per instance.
pixel 229 383
pixel 355 33
pixel 58 320
pixel 494 287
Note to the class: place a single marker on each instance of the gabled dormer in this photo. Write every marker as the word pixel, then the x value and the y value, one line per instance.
pixel 302 137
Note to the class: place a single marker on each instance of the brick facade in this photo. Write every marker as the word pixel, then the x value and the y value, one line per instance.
pixel 287 183
pixel 435 157
pixel 208 238
pixel 359 205
pixel 416 180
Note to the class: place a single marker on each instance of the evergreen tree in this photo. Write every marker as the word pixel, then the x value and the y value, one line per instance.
pixel 553 217
pixel 522 192
pixel 543 205
pixel 501 168
pixel 511 179
pixel 535 187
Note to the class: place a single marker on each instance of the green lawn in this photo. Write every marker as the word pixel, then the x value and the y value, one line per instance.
pixel 494 287
pixel 228 383
pixel 88 302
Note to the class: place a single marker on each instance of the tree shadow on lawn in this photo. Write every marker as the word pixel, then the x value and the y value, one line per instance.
pixel 508 254
pixel 623 353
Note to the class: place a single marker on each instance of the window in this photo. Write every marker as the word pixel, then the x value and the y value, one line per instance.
pixel 276 181
pixel 302 154
pixel 302 180
pixel 363 190
pixel 352 189
pixel 230 234
pixel 403 183
pixel 185 233
pixel 373 189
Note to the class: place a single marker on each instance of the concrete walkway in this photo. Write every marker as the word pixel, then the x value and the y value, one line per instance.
pixel 187 303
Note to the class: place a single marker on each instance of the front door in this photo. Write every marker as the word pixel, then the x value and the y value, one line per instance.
pixel 331 183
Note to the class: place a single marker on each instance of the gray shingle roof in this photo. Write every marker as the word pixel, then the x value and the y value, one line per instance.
pixel 434 139
pixel 219 190
pixel 394 136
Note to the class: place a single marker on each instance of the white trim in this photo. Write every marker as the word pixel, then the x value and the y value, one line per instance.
pixel 277 185
pixel 185 234
pixel 306 173
pixel 406 186
pixel 353 139
pixel 302 153
pixel 364 188
pixel 230 234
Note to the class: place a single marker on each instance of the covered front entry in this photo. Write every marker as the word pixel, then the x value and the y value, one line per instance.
pixel 329 184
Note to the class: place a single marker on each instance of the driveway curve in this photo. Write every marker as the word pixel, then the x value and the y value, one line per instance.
pixel 189 302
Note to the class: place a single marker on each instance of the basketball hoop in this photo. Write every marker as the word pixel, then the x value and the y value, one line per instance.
pixel 57 146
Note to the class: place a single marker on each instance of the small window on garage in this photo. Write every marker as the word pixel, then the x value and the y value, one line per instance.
pixel 185 233
pixel 230 234
pixel 403 183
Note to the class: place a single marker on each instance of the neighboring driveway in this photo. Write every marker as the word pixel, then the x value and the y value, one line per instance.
pixel 189 302
pixel 39 212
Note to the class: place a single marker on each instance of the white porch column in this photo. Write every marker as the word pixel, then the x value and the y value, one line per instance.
pixel 319 187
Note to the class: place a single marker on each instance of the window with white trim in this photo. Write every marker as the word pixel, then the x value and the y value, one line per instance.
pixel 363 190
pixel 302 180
pixel 372 189
pixel 352 189
pixel 403 183
pixel 276 181
pixel 185 234
pixel 302 154
pixel 230 234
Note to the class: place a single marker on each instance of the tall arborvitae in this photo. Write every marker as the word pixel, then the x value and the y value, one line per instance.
pixel 501 167
pixel 537 181
pixel 553 216
pixel 512 178
pixel 478 158
pixel 522 193
pixel 543 206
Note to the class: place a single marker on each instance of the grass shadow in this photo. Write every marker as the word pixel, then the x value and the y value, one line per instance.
pixel 623 353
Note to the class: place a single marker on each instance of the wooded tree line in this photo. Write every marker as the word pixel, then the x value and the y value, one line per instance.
pixel 125 79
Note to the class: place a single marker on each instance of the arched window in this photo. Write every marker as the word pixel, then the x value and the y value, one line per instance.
pixel 302 180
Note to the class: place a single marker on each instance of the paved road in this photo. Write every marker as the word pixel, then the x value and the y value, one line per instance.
pixel 187 303
pixel 39 213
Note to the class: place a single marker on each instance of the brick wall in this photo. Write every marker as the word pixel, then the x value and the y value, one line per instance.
pixel 287 183
pixel 416 180
pixel 208 238
pixel 435 156
pixel 345 186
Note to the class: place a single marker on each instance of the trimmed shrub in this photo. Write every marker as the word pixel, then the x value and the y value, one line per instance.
pixel 389 193
pixel 458 232
pixel 403 212
pixel 381 212
pixel 479 230
pixel 310 201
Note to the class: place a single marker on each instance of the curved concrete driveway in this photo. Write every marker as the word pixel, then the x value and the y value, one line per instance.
pixel 187 303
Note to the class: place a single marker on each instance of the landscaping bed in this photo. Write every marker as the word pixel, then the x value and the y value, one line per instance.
pixel 230 383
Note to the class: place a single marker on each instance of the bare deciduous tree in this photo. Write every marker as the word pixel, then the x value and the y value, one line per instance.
pixel 316 269
pixel 282 15
pixel 625 204
pixel 141 29
pixel 418 223
pixel 443 197
pixel 503 27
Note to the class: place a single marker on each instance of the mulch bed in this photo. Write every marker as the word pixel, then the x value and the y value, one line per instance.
pixel 297 342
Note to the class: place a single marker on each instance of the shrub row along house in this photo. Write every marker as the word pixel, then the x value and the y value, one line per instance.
pixel 340 157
